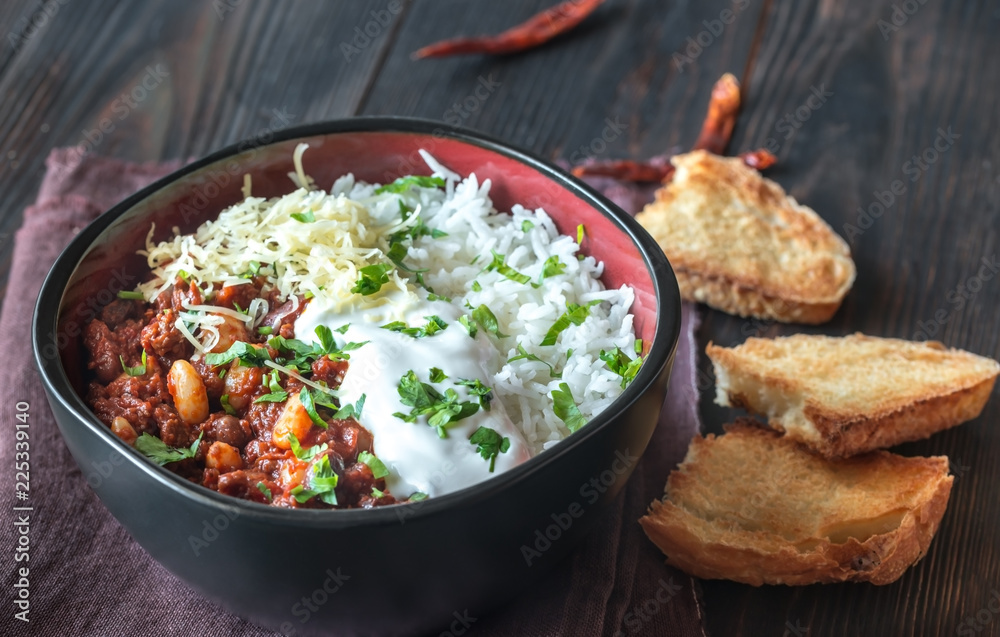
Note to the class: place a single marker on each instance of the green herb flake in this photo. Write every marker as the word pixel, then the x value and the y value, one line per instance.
pixel 226 407
pixel 403 184
pixel 565 408
pixel 322 482
pixel 160 453
pixel 552 267
pixel 249 355
pixel 574 315
pixel 478 389
pixel 308 295
pixel 434 325
pixel 343 328
pixel 437 375
pixel 489 444
pixel 499 264
pixel 580 233
pixel 305 454
pixel 619 363
pixel 377 494
pixel 351 411
pixel 486 319
pixel 441 410
pixel 522 354
pixel 371 279
pixel 527 225
pixel 476 287
pixel 265 330
pixel 438 297
pixel 306 398
pixel 134 296
pixel 263 489
pixel 638 346
pixel 138 370
pixel 469 325
pixel 304 217
pixel 378 468
pixel 417 497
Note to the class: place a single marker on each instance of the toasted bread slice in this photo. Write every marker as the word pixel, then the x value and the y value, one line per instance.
pixel 842 396
pixel 755 507
pixel 737 242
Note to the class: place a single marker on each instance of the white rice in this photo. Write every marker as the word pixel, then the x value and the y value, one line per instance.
pixel 525 313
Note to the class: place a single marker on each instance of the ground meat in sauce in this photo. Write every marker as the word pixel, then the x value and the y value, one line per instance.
pixel 241 418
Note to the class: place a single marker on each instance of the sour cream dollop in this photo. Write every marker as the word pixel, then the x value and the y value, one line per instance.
pixel 417 458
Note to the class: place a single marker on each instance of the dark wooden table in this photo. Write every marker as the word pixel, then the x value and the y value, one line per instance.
pixel 855 98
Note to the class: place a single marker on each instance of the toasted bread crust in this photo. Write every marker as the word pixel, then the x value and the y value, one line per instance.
pixel 898 414
pixel 729 296
pixel 744 245
pixel 775 546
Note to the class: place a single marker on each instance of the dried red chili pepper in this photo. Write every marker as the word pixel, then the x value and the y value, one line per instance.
pixel 627 170
pixel 723 107
pixel 537 30
pixel 716 131
pixel 759 159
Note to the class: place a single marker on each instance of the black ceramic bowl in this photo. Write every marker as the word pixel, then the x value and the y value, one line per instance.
pixel 401 569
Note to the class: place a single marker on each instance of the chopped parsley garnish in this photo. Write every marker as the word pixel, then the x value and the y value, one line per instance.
pixel 417 496
pixel 469 325
pixel 277 394
pixel 619 362
pixel 306 398
pixel 398 252
pixel 476 287
pixel 300 356
pixel 490 444
pixel 136 296
pixel 434 325
pixel 403 184
pixel 265 330
pixel 499 264
pixel 476 388
pixel 371 279
pixel 226 407
pixel 437 297
pixel 160 453
pixel 574 314
pixel 580 232
pixel 378 468
pixel 522 354
pixel 138 370
pixel 526 225
pixel 638 346
pixel 441 409
pixel 565 408
pixel 305 454
pixel 349 410
pixel 304 217
pixel 322 482
pixel 343 328
pixel 437 375
pixel 263 489
pixel 552 267
pixel 377 494
pixel 487 320
pixel 308 295
pixel 252 271
pixel 249 355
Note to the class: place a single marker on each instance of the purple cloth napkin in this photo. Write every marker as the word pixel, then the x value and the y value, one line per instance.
pixel 85 576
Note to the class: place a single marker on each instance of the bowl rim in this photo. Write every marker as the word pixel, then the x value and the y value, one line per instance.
pixel 45 320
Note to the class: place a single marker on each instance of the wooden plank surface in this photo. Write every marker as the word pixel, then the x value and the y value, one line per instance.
pixel 849 95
